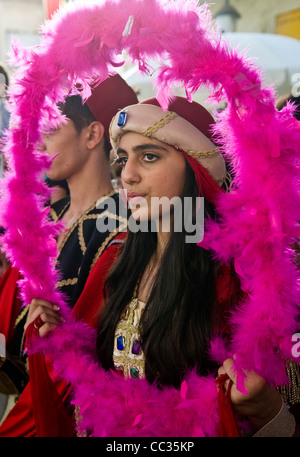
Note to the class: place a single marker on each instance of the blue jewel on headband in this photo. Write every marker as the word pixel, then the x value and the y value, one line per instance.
pixel 122 119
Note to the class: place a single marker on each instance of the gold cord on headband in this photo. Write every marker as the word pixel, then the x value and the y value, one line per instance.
pixel 181 134
pixel 159 124
pixel 204 154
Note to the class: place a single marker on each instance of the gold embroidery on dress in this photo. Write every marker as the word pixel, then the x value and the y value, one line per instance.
pixel 117 217
pixel 128 329
pixel 21 315
pixel 71 229
pixel 56 217
pixel 53 215
pixel 82 218
pixel 102 247
pixel 77 416
pixel 95 216
pixel 110 236
pixel 67 282
pixel 81 237
pixel 64 210
pixel 80 221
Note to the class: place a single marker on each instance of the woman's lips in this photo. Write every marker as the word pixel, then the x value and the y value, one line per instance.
pixel 134 198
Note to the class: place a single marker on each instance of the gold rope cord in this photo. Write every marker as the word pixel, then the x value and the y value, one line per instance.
pixel 204 154
pixel 67 282
pixel 159 124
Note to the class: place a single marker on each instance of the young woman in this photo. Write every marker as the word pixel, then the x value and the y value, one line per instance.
pixel 171 281
pixel 167 296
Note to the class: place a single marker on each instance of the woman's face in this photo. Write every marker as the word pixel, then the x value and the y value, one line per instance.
pixel 150 169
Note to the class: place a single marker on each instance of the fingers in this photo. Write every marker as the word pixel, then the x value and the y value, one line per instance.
pixel 253 383
pixel 249 404
pixel 222 371
pixel 47 315
pixel 46 328
pixel 37 306
pixel 229 369
pixel 46 304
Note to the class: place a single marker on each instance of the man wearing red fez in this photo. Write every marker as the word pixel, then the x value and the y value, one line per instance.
pixel 80 149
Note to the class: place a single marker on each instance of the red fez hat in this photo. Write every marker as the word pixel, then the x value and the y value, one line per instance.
pixel 107 98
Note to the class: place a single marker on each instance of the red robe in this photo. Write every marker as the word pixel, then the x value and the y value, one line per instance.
pixel 10 303
pixel 41 410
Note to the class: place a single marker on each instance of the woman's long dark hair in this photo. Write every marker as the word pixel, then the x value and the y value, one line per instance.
pixel 177 324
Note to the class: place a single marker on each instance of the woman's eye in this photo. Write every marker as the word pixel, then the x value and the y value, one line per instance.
pixel 121 161
pixel 150 157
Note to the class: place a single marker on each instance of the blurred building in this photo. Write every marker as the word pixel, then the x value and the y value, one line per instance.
pixel 262 16
pixel 21 19
pixel 289 23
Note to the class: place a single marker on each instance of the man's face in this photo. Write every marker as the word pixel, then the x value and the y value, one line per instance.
pixel 70 150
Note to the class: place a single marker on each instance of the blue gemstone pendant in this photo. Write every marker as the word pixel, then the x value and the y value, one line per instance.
pixel 122 119
pixel 121 343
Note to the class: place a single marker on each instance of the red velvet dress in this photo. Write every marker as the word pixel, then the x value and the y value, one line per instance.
pixel 42 408
pixel 10 303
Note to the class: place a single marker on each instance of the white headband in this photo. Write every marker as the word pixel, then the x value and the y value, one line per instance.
pixel 168 127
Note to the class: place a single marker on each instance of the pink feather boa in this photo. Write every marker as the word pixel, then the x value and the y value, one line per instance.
pixel 259 217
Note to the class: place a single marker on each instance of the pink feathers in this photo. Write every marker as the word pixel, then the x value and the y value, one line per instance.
pixel 258 219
